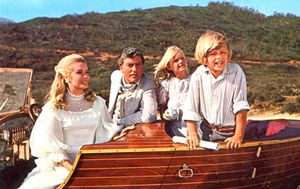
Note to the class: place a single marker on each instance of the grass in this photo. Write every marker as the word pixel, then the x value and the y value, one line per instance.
pixel 269 85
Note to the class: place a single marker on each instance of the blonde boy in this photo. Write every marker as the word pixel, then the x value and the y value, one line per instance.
pixel 216 105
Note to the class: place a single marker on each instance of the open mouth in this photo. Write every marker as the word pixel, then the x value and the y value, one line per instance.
pixel 219 63
pixel 182 67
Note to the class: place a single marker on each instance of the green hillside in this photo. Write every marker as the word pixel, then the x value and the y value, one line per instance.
pixel 273 40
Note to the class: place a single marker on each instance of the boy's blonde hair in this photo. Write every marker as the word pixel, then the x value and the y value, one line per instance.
pixel 59 86
pixel 209 41
pixel 161 72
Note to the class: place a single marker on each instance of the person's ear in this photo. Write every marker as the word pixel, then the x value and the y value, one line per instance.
pixel 169 68
pixel 204 61
pixel 67 79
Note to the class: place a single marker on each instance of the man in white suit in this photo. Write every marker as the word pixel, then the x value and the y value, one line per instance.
pixel 132 97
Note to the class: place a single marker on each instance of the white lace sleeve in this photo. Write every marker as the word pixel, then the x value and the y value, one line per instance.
pixel 46 140
pixel 106 128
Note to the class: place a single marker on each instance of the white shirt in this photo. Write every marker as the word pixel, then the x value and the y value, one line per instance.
pixel 140 106
pixel 173 93
pixel 217 99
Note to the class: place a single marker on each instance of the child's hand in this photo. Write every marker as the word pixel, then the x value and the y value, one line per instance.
pixel 193 140
pixel 233 142
pixel 166 115
pixel 170 114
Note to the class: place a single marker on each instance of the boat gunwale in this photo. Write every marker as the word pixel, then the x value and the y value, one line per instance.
pixel 182 147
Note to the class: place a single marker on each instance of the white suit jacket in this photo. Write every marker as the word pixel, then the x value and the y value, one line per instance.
pixel 141 106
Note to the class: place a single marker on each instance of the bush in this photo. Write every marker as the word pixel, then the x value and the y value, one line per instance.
pixel 298 100
pixel 261 97
pixel 278 99
pixel 258 106
pixel 289 108
pixel 250 97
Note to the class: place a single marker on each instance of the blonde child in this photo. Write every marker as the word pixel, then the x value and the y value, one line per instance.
pixel 173 76
pixel 217 97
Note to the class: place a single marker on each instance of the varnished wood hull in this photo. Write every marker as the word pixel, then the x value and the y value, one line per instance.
pixel 147 158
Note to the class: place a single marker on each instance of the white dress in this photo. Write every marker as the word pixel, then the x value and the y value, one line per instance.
pixel 173 92
pixel 59 134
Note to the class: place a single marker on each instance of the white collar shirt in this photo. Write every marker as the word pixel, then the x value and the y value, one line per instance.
pixel 216 99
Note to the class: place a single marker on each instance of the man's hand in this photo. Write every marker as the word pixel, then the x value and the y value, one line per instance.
pixel 124 132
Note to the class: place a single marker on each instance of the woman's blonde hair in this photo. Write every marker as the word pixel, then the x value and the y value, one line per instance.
pixel 59 86
pixel 209 41
pixel 161 72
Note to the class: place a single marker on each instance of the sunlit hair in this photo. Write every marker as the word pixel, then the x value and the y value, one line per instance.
pixel 161 72
pixel 59 86
pixel 209 41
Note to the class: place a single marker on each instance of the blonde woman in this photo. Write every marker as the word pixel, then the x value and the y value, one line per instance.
pixel 173 76
pixel 217 97
pixel 72 117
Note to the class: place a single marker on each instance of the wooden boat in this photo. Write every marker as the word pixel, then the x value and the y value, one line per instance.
pixel 147 158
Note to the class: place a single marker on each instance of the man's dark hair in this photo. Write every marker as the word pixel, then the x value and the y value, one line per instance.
pixel 130 52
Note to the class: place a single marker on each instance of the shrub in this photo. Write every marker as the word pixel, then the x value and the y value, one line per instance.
pixel 298 100
pixel 250 97
pixel 278 99
pixel 258 106
pixel 261 97
pixel 289 108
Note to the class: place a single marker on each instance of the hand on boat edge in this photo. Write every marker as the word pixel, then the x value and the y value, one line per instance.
pixel 233 142
pixel 124 132
pixel 193 141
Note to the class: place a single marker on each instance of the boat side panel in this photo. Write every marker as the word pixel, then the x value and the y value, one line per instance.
pixel 252 166
pixel 120 169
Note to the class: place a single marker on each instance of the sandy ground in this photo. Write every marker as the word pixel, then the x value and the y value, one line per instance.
pixel 266 115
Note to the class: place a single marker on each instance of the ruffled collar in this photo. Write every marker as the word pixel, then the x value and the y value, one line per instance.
pixel 73 96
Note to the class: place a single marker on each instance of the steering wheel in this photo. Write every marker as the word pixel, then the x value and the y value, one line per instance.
pixel 34 111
